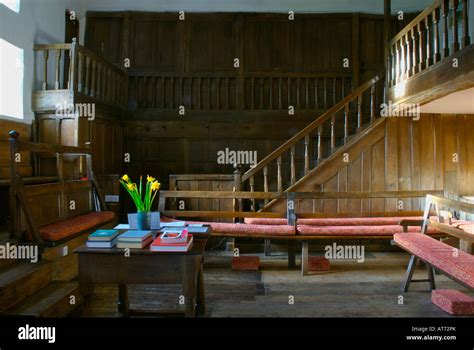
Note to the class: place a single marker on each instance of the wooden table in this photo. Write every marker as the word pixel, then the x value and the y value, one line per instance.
pixel 111 266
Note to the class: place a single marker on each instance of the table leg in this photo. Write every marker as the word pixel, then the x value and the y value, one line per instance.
pixel 86 288
pixel 190 274
pixel 200 298
pixel 123 304
pixel 304 258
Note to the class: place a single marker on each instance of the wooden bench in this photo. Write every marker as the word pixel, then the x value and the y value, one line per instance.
pixel 453 262
pixel 54 213
pixel 300 227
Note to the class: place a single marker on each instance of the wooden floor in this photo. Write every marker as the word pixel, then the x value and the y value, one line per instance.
pixel 370 289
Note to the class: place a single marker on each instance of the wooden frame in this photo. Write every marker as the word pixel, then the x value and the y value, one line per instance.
pixel 19 194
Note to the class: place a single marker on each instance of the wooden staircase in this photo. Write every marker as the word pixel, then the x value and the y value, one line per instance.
pixel 331 135
pixel 28 289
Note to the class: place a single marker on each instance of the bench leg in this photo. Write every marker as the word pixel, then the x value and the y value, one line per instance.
pixel 304 258
pixel 409 274
pixel 268 247
pixel 431 276
pixel 291 254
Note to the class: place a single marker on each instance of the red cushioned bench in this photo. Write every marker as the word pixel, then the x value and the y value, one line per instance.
pixel 55 213
pixel 453 262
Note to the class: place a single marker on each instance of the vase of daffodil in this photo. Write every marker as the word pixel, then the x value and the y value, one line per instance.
pixel 142 197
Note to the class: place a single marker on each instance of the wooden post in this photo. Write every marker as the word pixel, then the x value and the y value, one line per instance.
pixel 58 69
pixel 333 133
pixel 429 59
pixel 252 189
pixel 279 179
pixel 414 50
pixel 359 113
pixel 421 47
pixel 436 49
pixel 292 165
pixel 265 182
pixel 346 123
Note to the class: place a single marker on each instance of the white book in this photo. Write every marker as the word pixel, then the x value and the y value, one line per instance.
pixel 98 244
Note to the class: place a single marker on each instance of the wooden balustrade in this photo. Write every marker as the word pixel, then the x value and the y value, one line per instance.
pixel 227 92
pixel 355 112
pixel 82 72
pixel 438 32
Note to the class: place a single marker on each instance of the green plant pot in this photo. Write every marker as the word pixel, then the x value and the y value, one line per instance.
pixel 143 220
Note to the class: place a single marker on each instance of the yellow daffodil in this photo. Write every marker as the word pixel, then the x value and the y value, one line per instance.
pixel 155 186
pixel 126 178
pixel 131 187
pixel 150 179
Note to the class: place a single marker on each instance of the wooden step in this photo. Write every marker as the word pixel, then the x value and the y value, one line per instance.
pixel 52 301
pixel 21 280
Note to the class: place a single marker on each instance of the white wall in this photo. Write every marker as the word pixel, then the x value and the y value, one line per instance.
pixel 307 6
pixel 38 22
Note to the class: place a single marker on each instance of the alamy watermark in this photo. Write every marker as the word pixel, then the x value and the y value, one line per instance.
pixel 228 156
pixel 76 110
pixel 345 252
pixel 19 252
pixel 410 110
pixel 37 333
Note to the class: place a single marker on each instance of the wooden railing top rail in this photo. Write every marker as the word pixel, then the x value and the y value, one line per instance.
pixel 100 59
pixel 44 47
pixel 429 10
pixel 311 127
pixel 37 147
pixel 297 195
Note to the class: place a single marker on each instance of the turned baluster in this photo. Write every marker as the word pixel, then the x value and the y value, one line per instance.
pixel 359 113
pixel 398 63
pixel 325 90
pixel 445 14
pixel 306 154
pixel 320 145
pixel 408 54
pixel 372 103
pixel 429 59
pixel 333 133
pixel 279 180
pixel 87 87
pixel 346 123
pixel 455 45
pixel 265 182
pixel 393 63
pixel 466 40
pixel 58 69
pixel 436 48
pixel 414 50
pixel 45 81
pixel 421 46
pixel 292 165
pixel 252 189
pixel 80 70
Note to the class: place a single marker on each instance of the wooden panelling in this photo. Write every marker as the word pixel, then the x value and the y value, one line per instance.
pixel 25 163
pixel 104 37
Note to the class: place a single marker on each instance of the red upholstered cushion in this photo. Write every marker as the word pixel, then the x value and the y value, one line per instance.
pixel 384 230
pixel 318 263
pixel 251 263
pixel 70 227
pixel 249 230
pixel 439 255
pixel 370 221
pixel 453 302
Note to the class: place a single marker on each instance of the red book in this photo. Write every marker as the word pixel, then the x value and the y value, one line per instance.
pixel 160 245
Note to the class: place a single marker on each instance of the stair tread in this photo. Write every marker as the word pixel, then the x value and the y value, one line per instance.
pixel 12 273
pixel 41 301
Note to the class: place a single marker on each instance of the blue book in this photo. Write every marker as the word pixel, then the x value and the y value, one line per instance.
pixel 101 244
pixel 134 236
pixel 103 235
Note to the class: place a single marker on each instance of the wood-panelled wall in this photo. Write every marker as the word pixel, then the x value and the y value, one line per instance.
pixel 430 154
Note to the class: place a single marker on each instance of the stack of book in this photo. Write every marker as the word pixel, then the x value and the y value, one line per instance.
pixel 134 239
pixel 173 241
pixel 102 239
